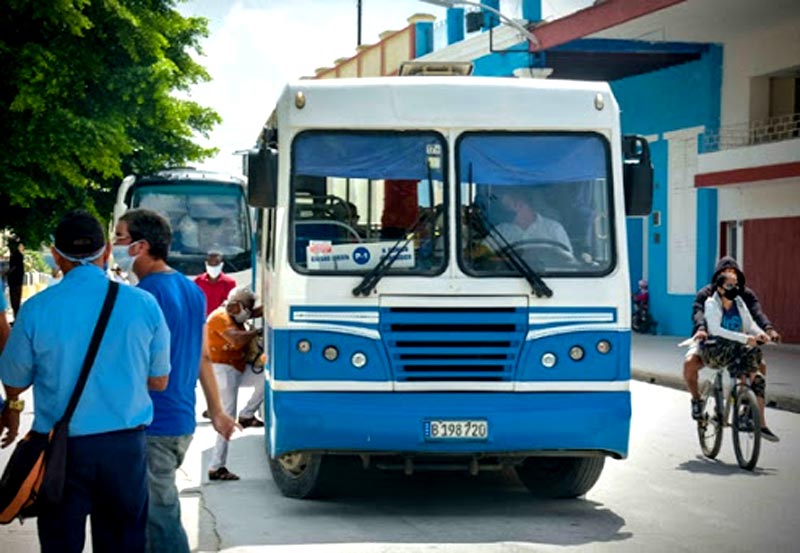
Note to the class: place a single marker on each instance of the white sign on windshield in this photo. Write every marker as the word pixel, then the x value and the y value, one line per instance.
pixel 322 255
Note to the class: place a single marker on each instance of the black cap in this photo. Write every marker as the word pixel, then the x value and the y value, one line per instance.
pixel 79 234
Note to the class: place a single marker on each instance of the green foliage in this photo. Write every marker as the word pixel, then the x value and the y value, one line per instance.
pixel 34 261
pixel 88 95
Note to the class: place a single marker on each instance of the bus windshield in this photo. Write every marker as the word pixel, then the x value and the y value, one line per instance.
pixel 542 198
pixel 357 194
pixel 204 217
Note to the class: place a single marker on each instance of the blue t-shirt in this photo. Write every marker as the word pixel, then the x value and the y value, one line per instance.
pixel 49 340
pixel 731 319
pixel 184 307
pixel 3 307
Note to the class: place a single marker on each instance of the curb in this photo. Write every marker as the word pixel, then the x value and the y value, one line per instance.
pixel 775 401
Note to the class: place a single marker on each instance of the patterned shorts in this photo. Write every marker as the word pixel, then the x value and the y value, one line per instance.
pixel 736 356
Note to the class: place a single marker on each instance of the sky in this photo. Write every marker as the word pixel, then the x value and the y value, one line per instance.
pixel 256 46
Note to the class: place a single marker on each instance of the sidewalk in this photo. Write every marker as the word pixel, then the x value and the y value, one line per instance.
pixel 659 360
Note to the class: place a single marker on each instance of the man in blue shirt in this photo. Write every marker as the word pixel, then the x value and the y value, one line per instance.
pixel 107 463
pixel 141 245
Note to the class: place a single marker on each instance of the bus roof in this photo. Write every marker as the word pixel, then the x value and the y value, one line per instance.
pixel 190 173
pixel 442 102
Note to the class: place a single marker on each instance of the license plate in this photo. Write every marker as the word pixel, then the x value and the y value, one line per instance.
pixel 439 429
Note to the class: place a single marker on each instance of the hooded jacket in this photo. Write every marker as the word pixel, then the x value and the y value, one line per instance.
pixel 747 295
pixel 714 314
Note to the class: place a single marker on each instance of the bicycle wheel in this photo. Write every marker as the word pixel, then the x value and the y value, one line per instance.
pixel 746 429
pixel 709 427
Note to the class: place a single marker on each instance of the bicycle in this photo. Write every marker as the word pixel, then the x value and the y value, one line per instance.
pixel 746 421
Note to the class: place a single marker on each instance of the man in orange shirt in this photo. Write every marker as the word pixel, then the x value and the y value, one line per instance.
pixel 228 344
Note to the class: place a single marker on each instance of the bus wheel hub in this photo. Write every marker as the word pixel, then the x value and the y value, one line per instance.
pixel 294 462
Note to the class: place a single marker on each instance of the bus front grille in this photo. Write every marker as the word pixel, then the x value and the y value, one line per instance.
pixel 453 344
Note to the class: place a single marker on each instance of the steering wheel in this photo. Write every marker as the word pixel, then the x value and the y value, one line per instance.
pixel 558 248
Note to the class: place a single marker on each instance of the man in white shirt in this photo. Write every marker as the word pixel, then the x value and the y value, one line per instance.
pixel 528 225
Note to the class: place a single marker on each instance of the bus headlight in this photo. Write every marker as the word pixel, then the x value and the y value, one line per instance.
pixel 303 346
pixel 330 353
pixel 549 360
pixel 576 353
pixel 359 360
pixel 603 346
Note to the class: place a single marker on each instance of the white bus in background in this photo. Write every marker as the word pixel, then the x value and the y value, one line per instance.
pixel 407 329
pixel 207 211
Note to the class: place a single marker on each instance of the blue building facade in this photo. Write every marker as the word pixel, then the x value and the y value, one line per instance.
pixel 678 97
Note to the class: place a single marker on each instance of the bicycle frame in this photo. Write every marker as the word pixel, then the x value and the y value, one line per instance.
pixel 745 420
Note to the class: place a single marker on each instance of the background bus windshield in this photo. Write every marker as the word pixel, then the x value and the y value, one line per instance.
pixel 203 218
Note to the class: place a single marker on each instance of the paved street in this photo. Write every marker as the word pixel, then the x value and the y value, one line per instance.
pixel 659 360
pixel 664 497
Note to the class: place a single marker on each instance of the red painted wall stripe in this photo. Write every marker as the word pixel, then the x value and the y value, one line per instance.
pixel 750 174
pixel 594 19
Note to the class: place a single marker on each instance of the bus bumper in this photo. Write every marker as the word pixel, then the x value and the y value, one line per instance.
pixel 394 422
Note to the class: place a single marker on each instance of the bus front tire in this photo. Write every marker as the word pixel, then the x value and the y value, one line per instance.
pixel 560 477
pixel 303 475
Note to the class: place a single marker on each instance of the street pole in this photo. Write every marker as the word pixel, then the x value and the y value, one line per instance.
pixel 359 22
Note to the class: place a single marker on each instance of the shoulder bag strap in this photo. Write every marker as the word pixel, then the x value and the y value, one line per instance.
pixel 91 353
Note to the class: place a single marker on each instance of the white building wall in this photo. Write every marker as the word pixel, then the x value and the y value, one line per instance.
pixel 759 200
pixel 681 210
pixel 759 155
pixel 756 53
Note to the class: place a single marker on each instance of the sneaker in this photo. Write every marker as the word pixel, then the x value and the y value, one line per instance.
pixel 769 435
pixel 697 409
pixel 251 422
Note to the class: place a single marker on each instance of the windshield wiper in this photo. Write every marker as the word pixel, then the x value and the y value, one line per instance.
pixel 372 278
pixel 538 286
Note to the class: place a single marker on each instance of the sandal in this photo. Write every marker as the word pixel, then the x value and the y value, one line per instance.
pixel 221 474
pixel 248 422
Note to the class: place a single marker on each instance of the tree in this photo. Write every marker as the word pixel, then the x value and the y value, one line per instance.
pixel 89 94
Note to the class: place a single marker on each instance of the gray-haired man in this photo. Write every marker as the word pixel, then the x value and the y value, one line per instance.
pixel 228 345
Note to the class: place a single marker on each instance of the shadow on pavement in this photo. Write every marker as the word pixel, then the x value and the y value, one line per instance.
pixel 430 507
pixel 715 467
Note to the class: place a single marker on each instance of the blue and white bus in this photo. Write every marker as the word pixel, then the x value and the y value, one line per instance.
pixel 410 325
pixel 206 210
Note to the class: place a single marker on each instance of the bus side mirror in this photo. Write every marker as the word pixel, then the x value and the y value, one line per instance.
pixel 262 177
pixel 637 175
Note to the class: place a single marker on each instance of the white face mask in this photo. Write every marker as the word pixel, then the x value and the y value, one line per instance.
pixel 123 258
pixel 214 270
pixel 242 315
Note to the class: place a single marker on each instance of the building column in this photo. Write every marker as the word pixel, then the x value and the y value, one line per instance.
pixel 455 25
pixel 423 34
pixel 532 10
pixel 490 19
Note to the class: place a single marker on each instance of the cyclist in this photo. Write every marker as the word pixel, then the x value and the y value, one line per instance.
pixel 693 363
pixel 736 336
